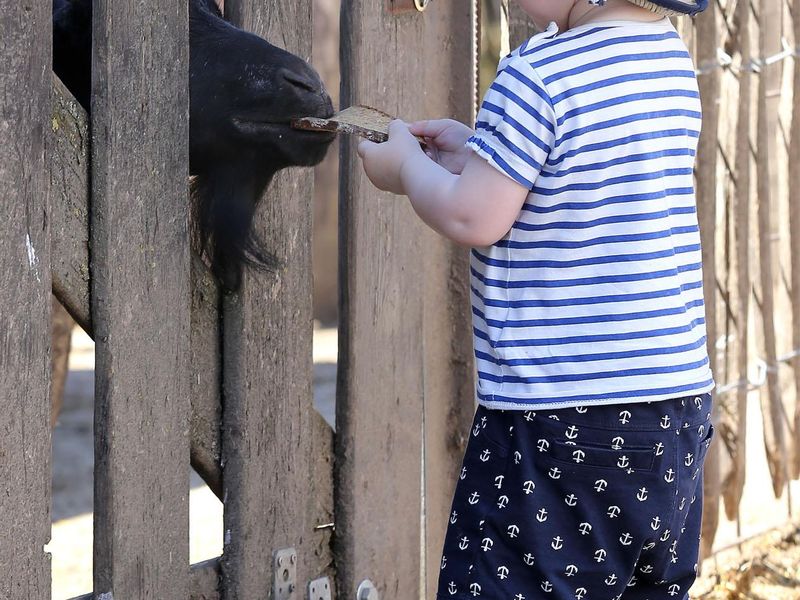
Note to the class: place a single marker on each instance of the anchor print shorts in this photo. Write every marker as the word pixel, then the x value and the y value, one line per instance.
pixel 584 503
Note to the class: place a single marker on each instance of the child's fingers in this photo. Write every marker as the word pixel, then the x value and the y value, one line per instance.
pixel 364 147
pixel 397 127
pixel 430 129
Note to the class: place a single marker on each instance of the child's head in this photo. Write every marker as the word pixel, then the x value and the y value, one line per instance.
pixel 544 11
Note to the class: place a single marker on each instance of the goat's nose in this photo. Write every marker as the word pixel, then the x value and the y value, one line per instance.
pixel 304 81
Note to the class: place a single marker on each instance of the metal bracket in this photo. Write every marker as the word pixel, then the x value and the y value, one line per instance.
pixel 320 589
pixel 367 591
pixel 401 6
pixel 284 574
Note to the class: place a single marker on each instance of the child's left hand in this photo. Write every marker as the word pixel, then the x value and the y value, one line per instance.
pixel 383 162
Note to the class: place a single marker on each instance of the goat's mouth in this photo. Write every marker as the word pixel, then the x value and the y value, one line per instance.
pixel 258 128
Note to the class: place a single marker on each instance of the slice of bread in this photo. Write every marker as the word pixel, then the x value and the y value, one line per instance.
pixel 364 121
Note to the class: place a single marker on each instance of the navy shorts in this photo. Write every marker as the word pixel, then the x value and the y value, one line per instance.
pixel 590 503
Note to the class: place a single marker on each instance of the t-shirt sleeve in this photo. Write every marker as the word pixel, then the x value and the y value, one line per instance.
pixel 516 124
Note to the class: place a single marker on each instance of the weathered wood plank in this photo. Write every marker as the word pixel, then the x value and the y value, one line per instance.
pixel 203 582
pixel 708 82
pixel 69 185
pixel 25 46
pixel 140 298
pixel 205 431
pixel 380 378
pixel 276 448
pixel 68 160
pixel 447 366
pixel 733 483
pixel 794 226
pixel 767 174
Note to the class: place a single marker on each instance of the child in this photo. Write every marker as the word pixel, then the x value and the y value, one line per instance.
pixel 583 473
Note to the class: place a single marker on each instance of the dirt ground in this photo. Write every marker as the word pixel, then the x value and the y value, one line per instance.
pixel 765 568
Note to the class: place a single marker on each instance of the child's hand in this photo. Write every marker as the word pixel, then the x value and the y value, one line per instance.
pixel 446 139
pixel 383 162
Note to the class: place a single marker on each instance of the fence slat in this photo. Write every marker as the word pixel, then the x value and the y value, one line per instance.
pixel 379 403
pixel 448 393
pixel 404 339
pixel 69 185
pixel 794 228
pixel 68 164
pixel 276 448
pixel 140 298
pixel 25 34
pixel 733 483
pixel 706 50
pixel 767 178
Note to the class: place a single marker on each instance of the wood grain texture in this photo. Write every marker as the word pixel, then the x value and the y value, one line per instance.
pixel 68 163
pixel 794 226
pixel 404 336
pixel 25 34
pixel 67 155
pixel 380 386
pixel 766 180
pixel 447 361
pixel 276 448
pixel 203 582
pixel 733 481
pixel 706 25
pixel 140 298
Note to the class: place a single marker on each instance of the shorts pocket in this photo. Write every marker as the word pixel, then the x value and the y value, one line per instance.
pixel 706 433
pixel 638 458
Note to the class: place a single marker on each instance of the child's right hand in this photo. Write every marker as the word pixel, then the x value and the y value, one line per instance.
pixel 446 138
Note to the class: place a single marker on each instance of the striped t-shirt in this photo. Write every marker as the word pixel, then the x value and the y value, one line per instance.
pixel 595 295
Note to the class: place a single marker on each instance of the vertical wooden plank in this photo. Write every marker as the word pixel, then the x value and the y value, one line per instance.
pixel 706 183
pixel 276 448
pixel 380 376
pixel 794 225
pixel 140 298
pixel 25 34
pixel 767 174
pixel 449 399
pixel 733 484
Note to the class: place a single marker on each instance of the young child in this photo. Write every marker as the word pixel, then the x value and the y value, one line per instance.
pixel 583 473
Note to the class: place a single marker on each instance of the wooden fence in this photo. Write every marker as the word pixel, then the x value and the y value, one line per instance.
pixel 170 346
pixel 99 214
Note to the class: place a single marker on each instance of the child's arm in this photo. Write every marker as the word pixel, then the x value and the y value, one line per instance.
pixel 475 208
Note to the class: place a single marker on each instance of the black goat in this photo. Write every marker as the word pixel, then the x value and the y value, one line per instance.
pixel 243 93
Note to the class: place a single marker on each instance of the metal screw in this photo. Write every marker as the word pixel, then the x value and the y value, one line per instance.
pixel 367 591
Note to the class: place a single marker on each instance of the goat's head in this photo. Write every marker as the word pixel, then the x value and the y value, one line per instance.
pixel 244 93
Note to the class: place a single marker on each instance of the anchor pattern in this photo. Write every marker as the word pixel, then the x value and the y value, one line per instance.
pixel 615 515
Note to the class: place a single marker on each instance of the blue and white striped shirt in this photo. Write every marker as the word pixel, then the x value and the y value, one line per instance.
pixel 595 295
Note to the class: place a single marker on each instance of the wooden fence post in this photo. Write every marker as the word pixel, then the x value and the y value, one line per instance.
pixel 405 355
pixel 794 227
pixel 769 87
pixel 276 448
pixel 25 33
pixel 140 298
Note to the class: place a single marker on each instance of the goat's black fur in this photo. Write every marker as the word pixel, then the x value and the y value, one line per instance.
pixel 243 93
